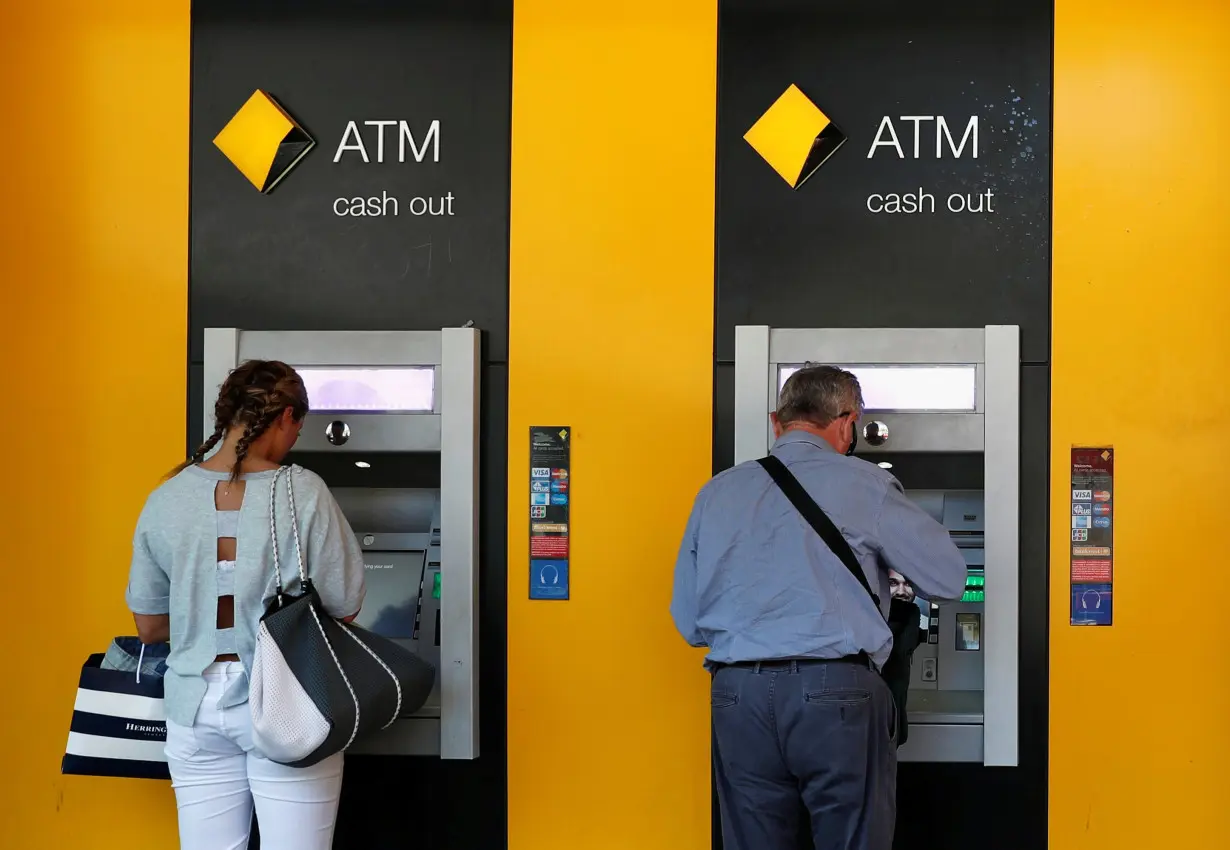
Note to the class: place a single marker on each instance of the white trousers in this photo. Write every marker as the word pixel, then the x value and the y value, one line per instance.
pixel 218 776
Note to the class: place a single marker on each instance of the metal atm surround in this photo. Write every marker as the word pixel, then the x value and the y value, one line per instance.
pixel 991 429
pixel 450 429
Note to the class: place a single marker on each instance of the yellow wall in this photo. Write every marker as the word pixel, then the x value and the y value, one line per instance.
pixel 93 289
pixel 1139 732
pixel 611 280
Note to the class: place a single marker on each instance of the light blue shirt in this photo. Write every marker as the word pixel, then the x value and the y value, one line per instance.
pixel 175 570
pixel 754 582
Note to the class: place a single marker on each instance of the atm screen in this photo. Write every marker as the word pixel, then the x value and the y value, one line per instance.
pixel 392 593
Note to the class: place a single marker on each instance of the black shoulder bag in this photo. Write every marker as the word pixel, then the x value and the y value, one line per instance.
pixel 903 624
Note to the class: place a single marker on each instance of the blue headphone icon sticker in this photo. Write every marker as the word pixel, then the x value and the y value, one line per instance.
pixel 1092 605
pixel 549 579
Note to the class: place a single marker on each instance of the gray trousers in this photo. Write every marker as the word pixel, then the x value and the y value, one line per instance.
pixel 813 736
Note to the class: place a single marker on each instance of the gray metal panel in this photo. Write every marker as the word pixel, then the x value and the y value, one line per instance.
pixel 868 346
pixel 1002 460
pixel 414 736
pixel 756 380
pixel 942 743
pixel 754 391
pixel 393 541
pixel 926 432
pixel 945 707
pixel 343 348
pixel 961 670
pixel 377 510
pixel 373 432
pixel 459 477
pixel 926 652
pixel 221 356
pixel 370 432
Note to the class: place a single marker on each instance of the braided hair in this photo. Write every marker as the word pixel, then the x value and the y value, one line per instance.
pixel 253 396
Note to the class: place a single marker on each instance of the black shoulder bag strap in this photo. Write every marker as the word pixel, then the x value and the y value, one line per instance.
pixel 817 519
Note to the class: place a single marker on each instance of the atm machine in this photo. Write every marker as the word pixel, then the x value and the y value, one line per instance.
pixel 393 430
pixel 942 411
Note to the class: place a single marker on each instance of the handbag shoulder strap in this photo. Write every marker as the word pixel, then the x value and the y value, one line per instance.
pixel 817 519
pixel 288 472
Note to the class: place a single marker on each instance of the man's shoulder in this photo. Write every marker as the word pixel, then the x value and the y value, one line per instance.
pixel 736 476
pixel 854 467
pixel 848 480
pixel 743 478
pixel 872 470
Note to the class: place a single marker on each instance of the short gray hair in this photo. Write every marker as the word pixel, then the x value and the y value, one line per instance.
pixel 819 394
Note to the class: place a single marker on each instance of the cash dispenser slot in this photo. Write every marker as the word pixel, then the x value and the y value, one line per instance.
pixel 942 414
pixel 393 431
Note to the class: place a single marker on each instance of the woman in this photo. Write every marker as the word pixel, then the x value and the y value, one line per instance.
pixel 201 577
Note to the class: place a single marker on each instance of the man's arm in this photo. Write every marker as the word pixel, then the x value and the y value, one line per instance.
pixel 683 600
pixel 918 547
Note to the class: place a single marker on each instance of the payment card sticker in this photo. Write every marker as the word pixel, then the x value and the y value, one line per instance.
pixel 1092 550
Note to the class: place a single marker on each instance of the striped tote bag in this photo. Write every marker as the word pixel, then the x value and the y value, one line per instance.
pixel 119 724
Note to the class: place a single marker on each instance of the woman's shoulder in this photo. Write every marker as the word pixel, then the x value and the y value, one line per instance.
pixel 178 494
pixel 183 485
pixel 309 487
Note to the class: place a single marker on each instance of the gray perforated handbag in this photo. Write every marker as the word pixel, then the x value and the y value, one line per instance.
pixel 318 684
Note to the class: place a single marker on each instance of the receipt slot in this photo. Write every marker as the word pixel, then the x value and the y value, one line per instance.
pixel 942 410
pixel 393 430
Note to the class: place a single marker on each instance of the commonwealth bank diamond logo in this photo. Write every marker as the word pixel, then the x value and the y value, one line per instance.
pixel 263 141
pixel 794 137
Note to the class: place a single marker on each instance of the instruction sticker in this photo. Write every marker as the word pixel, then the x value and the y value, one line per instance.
pixel 1092 553
pixel 550 503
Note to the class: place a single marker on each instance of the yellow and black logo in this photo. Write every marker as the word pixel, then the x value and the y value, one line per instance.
pixel 794 137
pixel 263 141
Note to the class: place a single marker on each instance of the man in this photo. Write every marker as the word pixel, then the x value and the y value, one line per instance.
pixel 800 711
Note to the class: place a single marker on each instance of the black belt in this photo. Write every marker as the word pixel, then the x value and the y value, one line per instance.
pixel 862 659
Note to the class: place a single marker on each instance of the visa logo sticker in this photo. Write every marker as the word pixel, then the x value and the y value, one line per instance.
pixel 1082 495
pixel 540 472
